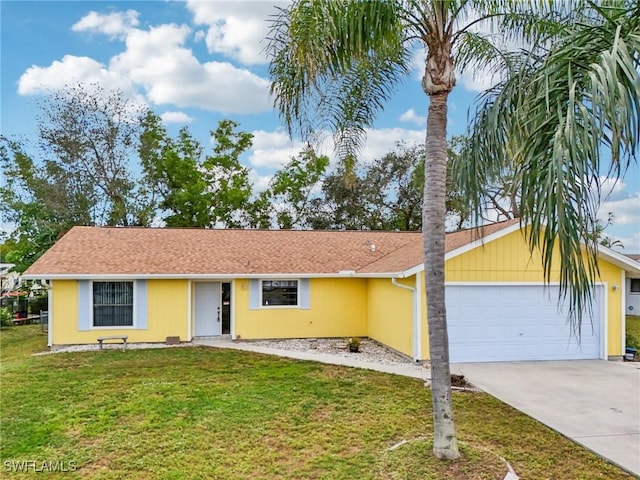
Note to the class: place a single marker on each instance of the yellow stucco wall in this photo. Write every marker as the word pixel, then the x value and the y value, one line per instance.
pixel 338 308
pixel 64 312
pixel 391 313
pixel 168 309
pixel 167 314
pixel 508 260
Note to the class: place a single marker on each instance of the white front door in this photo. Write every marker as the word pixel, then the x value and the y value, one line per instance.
pixel 207 314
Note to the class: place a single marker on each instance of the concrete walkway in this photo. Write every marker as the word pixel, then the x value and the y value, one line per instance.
pixel 594 403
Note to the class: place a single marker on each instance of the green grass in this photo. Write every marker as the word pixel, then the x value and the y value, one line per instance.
pixel 633 326
pixel 207 413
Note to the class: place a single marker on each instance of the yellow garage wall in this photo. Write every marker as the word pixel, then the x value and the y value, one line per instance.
pixel 612 275
pixel 338 308
pixel 507 259
pixel 391 313
pixel 167 314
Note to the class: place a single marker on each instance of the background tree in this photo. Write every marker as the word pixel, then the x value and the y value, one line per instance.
pixel 394 188
pixel 228 180
pixel 42 202
pixel 192 189
pixel 340 206
pixel 93 132
pixel 383 195
pixel 289 198
pixel 334 63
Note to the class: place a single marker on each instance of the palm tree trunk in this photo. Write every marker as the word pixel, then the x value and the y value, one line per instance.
pixel 444 436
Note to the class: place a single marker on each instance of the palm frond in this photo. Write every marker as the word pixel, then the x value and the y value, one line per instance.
pixel 557 118
pixel 334 63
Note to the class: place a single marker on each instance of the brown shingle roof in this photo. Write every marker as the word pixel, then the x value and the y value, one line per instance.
pixel 167 251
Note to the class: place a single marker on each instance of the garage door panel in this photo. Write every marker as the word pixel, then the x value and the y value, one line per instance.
pixel 511 323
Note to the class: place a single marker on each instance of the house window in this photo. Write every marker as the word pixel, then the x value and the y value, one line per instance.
pixel 112 304
pixel 635 285
pixel 279 292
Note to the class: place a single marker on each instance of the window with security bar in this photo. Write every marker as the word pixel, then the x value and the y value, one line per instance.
pixel 112 304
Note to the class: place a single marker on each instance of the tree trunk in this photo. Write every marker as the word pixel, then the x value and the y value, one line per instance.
pixel 444 436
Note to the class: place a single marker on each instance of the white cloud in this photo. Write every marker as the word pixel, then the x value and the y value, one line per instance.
pixel 625 211
pixel 157 62
pixel 273 149
pixel 114 24
pixel 259 182
pixel 175 117
pixel 418 59
pixel 631 243
pixel 478 80
pixel 412 117
pixel 611 188
pixel 236 29
pixel 69 71
pixel 383 141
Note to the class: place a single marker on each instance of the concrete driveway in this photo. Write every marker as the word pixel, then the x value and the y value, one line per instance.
pixel 593 402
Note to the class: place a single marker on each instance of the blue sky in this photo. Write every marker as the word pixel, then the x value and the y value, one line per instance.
pixel 195 63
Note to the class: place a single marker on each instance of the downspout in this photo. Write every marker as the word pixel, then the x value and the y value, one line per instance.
pixel 47 284
pixel 417 347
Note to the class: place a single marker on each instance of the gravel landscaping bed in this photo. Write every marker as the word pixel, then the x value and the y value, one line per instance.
pixel 109 346
pixel 370 350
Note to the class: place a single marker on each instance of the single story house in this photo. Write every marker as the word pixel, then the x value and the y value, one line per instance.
pixel 154 283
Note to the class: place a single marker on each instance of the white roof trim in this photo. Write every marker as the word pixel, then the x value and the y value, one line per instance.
pixel 619 260
pixel 205 276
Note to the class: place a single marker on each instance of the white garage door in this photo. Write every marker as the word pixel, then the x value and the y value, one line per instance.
pixel 514 322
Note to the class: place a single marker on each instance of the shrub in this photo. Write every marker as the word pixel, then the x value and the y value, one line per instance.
pixel 6 318
pixel 631 341
pixel 38 303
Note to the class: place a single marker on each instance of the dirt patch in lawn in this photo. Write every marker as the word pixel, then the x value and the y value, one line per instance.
pixel 414 459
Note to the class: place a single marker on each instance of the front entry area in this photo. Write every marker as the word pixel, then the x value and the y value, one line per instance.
pixel 211 309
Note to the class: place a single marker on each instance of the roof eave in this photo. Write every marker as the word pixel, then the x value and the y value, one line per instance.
pixel 201 276
pixel 619 260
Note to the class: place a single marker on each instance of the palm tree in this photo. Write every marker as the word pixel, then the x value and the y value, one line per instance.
pixel 564 114
pixel 334 64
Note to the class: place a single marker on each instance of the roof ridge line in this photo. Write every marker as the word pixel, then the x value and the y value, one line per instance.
pixel 388 254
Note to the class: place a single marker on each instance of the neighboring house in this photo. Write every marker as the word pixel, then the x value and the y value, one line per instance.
pixel 632 290
pixel 151 284
pixel 8 280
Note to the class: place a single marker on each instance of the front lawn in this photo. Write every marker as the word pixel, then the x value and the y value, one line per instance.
pixel 207 413
pixel 632 324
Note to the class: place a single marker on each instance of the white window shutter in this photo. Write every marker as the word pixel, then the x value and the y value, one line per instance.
pixel 85 304
pixel 140 304
pixel 304 292
pixel 254 294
